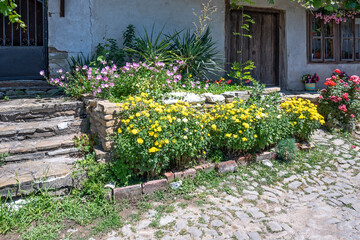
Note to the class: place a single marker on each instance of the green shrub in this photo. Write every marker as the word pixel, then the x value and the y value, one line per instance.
pixel 198 53
pixel 339 102
pixel 286 149
pixel 152 137
pixel 303 116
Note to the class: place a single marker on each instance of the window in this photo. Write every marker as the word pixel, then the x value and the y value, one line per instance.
pixel 333 43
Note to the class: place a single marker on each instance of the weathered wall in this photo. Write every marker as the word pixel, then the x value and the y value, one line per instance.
pixel 297 64
pixel 68 36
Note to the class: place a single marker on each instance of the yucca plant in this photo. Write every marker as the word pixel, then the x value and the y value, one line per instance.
pixel 152 48
pixel 197 52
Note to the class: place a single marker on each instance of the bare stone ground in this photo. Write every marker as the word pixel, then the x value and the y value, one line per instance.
pixel 321 203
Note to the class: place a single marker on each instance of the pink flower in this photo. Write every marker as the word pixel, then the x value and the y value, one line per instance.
pixel 352 116
pixel 42 73
pixel 346 96
pixel 353 146
pixel 343 108
pixel 321 97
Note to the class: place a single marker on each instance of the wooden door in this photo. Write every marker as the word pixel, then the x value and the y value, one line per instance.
pixel 262 48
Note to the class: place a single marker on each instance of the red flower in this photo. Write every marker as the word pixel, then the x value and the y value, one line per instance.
pixel 330 82
pixel 207 81
pixel 335 99
pixel 346 96
pixel 343 108
pixel 228 82
pixel 337 71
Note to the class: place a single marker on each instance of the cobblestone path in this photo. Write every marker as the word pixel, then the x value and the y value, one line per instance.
pixel 322 202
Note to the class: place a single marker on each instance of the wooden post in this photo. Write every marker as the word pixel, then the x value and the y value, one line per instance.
pixel 62 8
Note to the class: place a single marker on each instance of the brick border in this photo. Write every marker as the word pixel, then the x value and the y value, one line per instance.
pixel 135 192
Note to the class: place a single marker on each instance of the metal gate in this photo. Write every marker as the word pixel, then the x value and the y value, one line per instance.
pixel 23 52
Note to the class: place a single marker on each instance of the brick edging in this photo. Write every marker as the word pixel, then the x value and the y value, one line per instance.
pixel 135 192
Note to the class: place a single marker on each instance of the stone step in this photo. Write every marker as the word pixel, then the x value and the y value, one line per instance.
pixel 35 149
pixel 26 177
pixel 18 131
pixel 27 88
pixel 24 110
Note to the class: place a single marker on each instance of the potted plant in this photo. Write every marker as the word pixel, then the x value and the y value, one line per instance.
pixel 310 81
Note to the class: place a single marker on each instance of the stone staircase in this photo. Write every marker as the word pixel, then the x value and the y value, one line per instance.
pixel 36 147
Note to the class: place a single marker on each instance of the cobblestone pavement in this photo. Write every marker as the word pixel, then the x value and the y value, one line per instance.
pixel 320 203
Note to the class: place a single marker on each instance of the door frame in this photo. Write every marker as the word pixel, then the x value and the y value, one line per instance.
pixel 282 39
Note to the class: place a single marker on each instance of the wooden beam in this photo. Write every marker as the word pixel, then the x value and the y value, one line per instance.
pixel 62 8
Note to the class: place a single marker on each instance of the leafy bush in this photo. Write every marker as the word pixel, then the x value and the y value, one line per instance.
pixel 153 136
pixel 155 80
pixel 304 117
pixel 97 81
pixel 241 128
pixel 339 102
pixel 109 52
pixel 286 149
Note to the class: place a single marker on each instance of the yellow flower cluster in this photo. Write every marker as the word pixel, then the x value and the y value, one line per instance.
pixel 304 109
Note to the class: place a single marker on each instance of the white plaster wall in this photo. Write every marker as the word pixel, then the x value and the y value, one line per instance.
pixel 111 17
pixel 297 64
pixel 72 32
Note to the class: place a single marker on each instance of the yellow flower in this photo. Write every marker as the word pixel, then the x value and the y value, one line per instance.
pixel 153 150
pixel 159 129
pixel 156 143
pixel 185 137
pixel 140 141
pixel 166 141
pixel 235 136
pixel 119 130
pixel 174 141
pixel 137 114
pixel 228 135
pixel 134 131
pixel 190 75
pixel 213 127
pixel 204 152
pixel 255 136
pixel 244 139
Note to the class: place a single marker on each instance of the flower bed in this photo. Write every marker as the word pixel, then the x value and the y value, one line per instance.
pixel 151 137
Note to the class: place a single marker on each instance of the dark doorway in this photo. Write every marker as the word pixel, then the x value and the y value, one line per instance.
pixel 23 52
pixel 264 46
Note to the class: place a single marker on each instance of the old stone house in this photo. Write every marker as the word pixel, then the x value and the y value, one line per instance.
pixel 287 41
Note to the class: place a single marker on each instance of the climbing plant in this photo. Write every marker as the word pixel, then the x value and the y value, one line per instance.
pixel 7 8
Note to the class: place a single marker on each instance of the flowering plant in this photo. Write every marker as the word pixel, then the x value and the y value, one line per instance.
pixel 337 17
pixel 85 79
pixel 304 117
pixel 153 137
pixel 308 78
pixel 339 102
